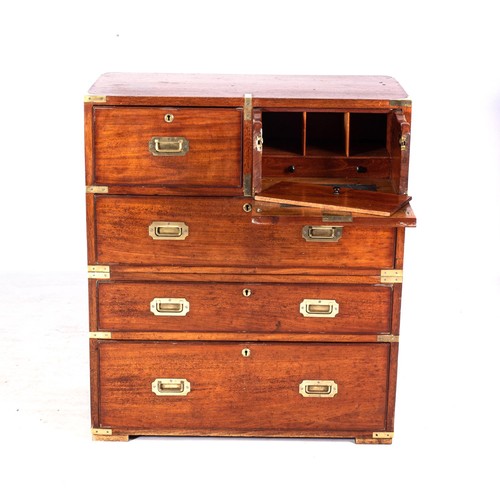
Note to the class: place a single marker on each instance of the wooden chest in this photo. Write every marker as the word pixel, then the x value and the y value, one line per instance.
pixel 245 252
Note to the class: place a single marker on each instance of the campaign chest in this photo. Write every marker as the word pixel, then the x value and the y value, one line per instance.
pixel 245 254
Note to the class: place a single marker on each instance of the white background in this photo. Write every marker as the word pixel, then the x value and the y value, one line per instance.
pixel 444 53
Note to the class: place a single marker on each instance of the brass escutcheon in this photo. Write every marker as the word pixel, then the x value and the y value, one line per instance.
pixel 169 117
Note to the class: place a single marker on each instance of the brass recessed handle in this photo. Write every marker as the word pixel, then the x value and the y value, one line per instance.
pixel 171 387
pixel 168 306
pixel 329 234
pixel 168 146
pixel 318 388
pixel 319 308
pixel 161 230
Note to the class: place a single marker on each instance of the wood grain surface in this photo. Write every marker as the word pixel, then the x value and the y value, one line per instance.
pixel 221 233
pixel 325 197
pixel 219 307
pixel 234 393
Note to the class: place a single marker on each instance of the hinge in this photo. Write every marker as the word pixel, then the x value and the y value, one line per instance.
pixel 96 189
pixel 247 107
pixel 391 276
pixel 259 141
pixel 403 142
pixel 99 272
pixel 102 432
pixel 383 435
pixel 347 217
pixel 247 185
pixel 94 98
pixel 387 338
pixel 100 335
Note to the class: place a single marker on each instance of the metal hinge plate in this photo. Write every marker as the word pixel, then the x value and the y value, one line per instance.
pixel 391 276
pixel 259 141
pixel 403 142
pixel 96 189
pixel 100 335
pixel 98 272
pixel 94 98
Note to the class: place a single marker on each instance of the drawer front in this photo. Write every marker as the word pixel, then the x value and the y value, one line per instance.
pixel 218 232
pixel 237 387
pixel 249 307
pixel 199 147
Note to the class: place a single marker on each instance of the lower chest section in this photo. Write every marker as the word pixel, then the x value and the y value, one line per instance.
pixel 238 388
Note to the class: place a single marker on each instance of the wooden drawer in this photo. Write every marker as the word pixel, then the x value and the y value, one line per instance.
pixel 214 388
pixel 199 147
pixel 243 307
pixel 218 232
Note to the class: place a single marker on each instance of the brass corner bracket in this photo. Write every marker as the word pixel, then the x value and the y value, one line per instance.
pixel 400 103
pixel 391 276
pixel 94 98
pixel 100 335
pixel 96 189
pixel 99 272
pixel 383 435
pixel 387 338
pixel 102 432
pixel 247 107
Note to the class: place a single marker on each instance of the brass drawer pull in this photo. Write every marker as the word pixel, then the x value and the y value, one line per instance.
pixel 169 307
pixel 322 233
pixel 318 388
pixel 171 387
pixel 168 146
pixel 159 230
pixel 319 308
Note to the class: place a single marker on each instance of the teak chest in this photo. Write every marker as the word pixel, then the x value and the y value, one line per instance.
pixel 245 252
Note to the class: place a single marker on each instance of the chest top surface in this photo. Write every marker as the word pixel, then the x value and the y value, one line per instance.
pixel 263 87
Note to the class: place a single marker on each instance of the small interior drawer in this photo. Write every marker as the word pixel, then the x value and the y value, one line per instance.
pixel 168 146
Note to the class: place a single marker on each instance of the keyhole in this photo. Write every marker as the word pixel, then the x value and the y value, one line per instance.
pixel 169 118
pixel 245 352
pixel 247 292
